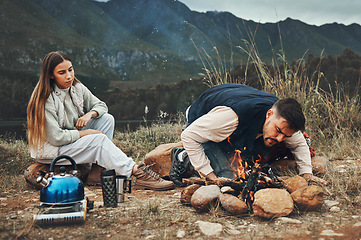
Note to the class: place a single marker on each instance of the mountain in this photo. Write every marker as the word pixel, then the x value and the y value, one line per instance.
pixel 144 42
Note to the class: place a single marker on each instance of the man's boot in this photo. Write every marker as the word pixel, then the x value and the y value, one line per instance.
pixel 180 168
pixel 147 179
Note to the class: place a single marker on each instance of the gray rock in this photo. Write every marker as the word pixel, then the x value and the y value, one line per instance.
pixel 210 229
pixel 358 224
pixel 204 196
pixel 288 220
pixel 330 233
pixel 335 209
pixel 181 234
pixel 341 168
pixel 320 165
pixel 330 203
pixel 233 231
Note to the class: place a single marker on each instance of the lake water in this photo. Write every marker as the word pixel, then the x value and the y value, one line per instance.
pixel 17 129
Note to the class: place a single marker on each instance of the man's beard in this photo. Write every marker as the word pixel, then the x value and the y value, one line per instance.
pixel 265 138
pixel 272 143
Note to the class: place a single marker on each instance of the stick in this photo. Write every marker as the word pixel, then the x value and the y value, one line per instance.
pixel 221 182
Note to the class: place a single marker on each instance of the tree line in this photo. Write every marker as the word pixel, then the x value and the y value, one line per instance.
pixel 164 100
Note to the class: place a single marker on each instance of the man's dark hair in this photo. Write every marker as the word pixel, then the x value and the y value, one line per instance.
pixel 291 110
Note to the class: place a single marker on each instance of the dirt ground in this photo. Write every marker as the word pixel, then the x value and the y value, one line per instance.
pixel 149 214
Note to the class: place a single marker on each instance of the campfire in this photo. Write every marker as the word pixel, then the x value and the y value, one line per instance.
pixel 253 174
pixel 256 189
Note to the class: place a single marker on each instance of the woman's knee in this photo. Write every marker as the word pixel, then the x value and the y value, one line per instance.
pixel 101 138
pixel 107 117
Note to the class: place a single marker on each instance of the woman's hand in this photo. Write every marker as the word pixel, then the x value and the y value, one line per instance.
pixel 85 132
pixel 83 121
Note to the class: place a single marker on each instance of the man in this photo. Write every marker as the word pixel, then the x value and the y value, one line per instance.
pixel 233 117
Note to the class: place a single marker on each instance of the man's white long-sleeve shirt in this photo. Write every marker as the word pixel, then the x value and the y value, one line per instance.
pixel 217 125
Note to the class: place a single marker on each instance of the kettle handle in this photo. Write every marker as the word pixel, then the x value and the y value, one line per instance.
pixel 52 165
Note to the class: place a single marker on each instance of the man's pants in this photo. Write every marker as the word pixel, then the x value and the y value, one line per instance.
pixel 218 159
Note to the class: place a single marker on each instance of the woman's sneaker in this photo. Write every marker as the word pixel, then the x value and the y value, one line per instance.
pixel 147 179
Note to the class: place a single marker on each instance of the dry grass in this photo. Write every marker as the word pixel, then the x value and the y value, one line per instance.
pixel 161 216
pixel 14 159
pixel 333 117
pixel 138 143
pixel 345 183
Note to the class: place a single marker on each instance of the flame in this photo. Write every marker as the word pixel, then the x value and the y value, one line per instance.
pixel 249 171
pixel 240 166
pixel 251 195
pixel 229 141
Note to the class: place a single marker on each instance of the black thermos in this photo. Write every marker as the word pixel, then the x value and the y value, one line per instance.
pixel 109 188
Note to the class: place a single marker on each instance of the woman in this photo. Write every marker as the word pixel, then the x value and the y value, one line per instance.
pixel 64 117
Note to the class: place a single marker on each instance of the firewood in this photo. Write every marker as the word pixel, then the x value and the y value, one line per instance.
pixel 190 181
pixel 187 193
pixel 221 182
pixel 236 185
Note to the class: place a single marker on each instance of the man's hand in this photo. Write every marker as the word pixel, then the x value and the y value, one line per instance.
pixel 83 121
pixel 311 177
pixel 211 176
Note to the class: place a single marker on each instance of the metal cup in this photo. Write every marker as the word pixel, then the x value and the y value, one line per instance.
pixel 123 185
pixel 109 188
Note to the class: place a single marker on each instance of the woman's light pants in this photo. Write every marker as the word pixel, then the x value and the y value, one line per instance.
pixel 99 148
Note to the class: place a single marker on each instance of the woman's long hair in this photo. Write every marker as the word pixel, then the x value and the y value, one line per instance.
pixel 36 107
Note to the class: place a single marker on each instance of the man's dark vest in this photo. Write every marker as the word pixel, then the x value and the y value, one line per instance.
pixel 250 105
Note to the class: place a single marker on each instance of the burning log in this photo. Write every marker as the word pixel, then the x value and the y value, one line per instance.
pixel 220 182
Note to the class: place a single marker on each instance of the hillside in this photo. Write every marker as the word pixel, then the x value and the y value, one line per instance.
pixel 148 40
pixel 125 44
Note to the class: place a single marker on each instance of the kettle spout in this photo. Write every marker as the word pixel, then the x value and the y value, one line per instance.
pixel 42 180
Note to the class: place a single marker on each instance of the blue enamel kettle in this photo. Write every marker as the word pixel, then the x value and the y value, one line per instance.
pixel 62 188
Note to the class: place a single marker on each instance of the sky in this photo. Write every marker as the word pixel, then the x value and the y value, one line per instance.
pixel 313 12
